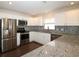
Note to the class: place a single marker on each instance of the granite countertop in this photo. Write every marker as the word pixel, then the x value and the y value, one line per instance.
pixel 65 46
pixel 53 32
pixel 23 33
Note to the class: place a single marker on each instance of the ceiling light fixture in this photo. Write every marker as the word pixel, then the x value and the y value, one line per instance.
pixel 10 3
pixel 72 3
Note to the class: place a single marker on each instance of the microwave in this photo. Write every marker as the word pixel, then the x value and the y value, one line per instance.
pixel 22 22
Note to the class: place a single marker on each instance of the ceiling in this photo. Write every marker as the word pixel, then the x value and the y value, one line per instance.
pixel 33 7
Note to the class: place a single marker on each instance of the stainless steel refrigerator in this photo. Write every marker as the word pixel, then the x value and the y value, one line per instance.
pixel 0 34
pixel 8 34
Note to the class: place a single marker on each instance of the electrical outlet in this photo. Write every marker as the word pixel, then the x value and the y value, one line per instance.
pixel 62 29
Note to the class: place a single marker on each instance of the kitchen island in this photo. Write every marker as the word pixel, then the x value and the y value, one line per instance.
pixel 65 46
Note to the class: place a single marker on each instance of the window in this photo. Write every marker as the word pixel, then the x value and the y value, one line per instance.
pixel 49 24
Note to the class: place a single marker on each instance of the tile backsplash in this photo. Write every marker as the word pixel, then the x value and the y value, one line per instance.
pixel 68 29
pixel 64 29
pixel 29 28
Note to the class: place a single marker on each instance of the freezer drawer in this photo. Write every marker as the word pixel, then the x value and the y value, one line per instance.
pixel 14 42
pixel 6 45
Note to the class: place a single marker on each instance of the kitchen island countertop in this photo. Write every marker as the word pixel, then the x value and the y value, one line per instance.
pixel 65 46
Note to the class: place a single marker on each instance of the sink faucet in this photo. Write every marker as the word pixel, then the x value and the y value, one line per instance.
pixel 48 27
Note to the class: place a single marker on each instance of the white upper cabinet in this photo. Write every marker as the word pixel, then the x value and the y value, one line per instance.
pixel 73 17
pixel 60 19
pixel 37 21
pixel 70 18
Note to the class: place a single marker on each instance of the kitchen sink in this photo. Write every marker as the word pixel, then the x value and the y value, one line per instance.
pixel 55 36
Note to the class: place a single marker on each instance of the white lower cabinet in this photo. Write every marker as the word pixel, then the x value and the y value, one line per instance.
pixel 18 39
pixel 40 37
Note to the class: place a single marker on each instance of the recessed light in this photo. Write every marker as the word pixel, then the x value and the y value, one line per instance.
pixel 72 3
pixel 10 3
pixel 44 1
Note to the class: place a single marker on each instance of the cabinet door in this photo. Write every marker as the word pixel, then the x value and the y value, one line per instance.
pixel 14 42
pixel 40 37
pixel 61 19
pixel 73 18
